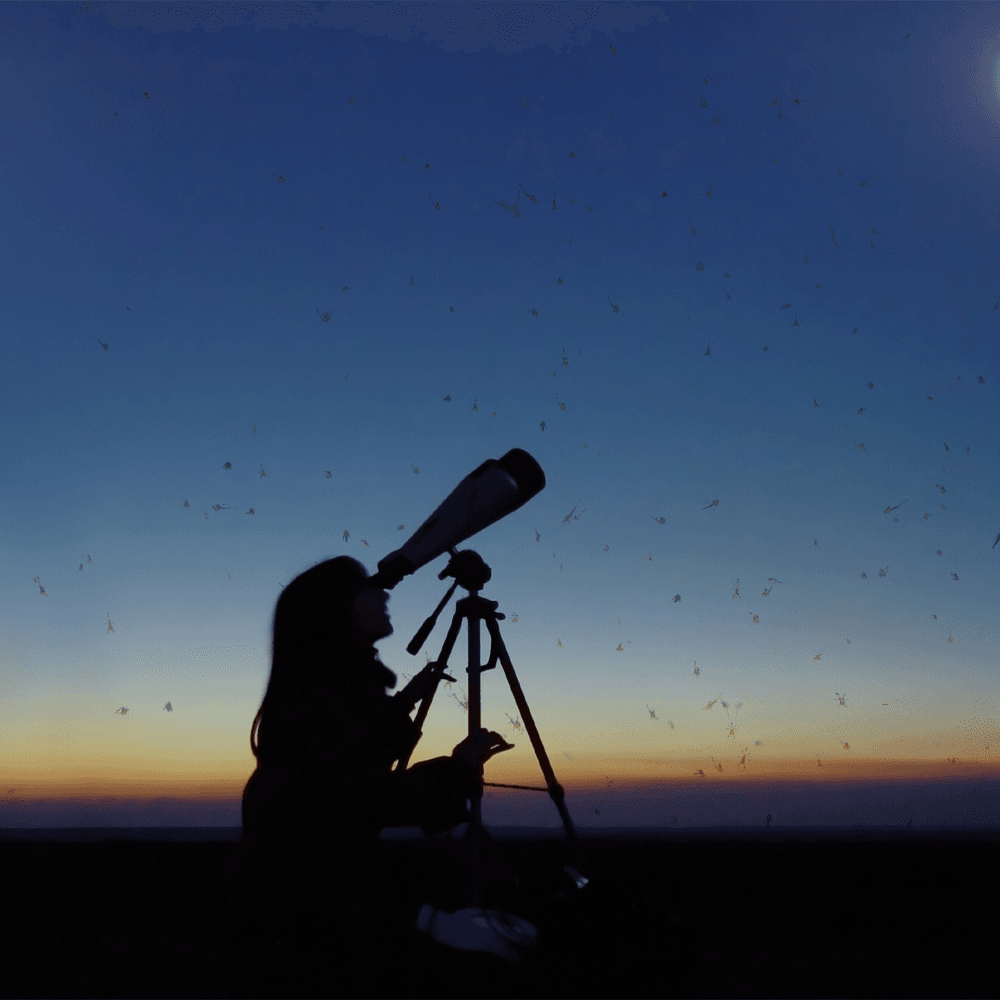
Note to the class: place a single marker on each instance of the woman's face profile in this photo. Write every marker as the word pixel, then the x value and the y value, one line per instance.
pixel 370 616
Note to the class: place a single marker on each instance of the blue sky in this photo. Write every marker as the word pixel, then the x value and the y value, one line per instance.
pixel 355 250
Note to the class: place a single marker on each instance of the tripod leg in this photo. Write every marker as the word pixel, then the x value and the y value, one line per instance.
pixel 442 661
pixel 475 722
pixel 556 791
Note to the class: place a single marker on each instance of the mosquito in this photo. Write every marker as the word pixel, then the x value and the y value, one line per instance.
pixel 41 589
pixel 743 759
pixel 697 669
pixel 733 720
pixel 110 626
pixel 842 698
pixel 652 712
pixel 736 592
pixel 714 503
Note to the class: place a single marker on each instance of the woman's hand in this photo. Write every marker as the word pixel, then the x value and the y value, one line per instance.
pixel 422 685
pixel 480 746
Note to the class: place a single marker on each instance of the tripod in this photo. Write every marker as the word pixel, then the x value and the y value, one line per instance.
pixel 471 572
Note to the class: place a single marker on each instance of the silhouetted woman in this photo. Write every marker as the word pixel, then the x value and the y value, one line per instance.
pixel 326 737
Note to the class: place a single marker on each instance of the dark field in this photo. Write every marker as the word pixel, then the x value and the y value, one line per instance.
pixel 696 914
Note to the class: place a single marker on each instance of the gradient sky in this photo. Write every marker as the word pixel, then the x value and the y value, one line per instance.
pixel 319 261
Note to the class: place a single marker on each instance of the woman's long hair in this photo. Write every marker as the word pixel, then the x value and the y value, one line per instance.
pixel 312 641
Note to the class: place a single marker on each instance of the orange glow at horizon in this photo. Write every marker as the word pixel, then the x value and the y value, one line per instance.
pixel 618 773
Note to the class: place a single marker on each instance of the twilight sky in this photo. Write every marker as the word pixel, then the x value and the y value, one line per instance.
pixel 277 277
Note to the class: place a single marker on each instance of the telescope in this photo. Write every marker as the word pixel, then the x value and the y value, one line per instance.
pixel 494 490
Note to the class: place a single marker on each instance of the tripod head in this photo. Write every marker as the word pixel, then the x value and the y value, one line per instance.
pixel 468 569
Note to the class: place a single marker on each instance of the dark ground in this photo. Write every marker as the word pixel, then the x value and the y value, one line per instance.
pixel 774 914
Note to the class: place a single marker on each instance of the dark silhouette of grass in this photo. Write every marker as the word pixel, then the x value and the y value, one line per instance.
pixel 773 914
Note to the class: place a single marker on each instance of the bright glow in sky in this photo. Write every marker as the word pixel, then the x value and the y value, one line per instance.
pixel 728 272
